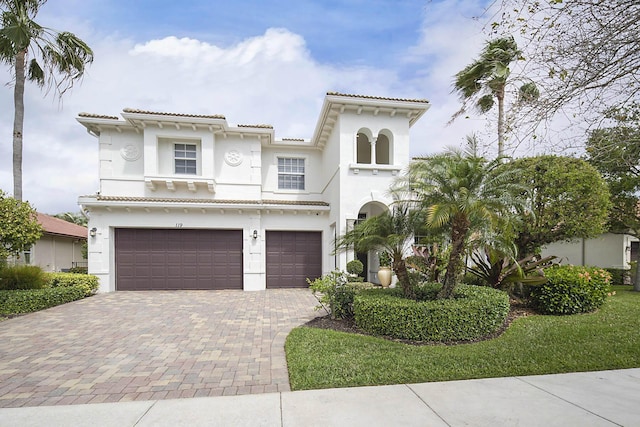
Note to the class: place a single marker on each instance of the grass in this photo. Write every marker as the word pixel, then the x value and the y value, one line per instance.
pixel 605 339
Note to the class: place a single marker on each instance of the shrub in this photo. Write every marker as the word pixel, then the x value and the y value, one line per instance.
pixel 500 269
pixel 572 289
pixel 473 313
pixel 473 280
pixel 79 270
pixel 335 294
pixel 429 261
pixel 27 301
pixel 355 267
pixel 22 277
pixel 619 276
pixel 89 283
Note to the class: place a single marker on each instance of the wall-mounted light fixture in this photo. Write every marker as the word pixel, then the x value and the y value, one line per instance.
pixel 93 232
pixel 255 234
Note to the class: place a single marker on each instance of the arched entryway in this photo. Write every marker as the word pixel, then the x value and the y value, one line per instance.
pixel 370 259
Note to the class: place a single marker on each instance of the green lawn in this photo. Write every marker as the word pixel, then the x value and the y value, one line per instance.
pixel 606 339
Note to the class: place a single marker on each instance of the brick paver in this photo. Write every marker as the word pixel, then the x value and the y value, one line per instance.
pixel 126 346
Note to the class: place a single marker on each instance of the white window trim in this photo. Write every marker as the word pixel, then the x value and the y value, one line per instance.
pixel 175 157
pixel 357 167
pixel 304 157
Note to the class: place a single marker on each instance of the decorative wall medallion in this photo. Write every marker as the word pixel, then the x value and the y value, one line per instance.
pixel 233 158
pixel 130 153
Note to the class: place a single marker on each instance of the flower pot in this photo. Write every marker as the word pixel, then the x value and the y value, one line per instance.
pixel 384 275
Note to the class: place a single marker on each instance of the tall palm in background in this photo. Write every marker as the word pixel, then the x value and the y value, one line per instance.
pixel 487 77
pixel 50 58
pixel 464 193
pixel 73 218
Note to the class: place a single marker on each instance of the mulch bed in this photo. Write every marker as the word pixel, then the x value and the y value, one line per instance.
pixel 349 325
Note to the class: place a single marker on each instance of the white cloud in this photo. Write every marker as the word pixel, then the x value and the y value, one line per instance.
pixel 270 78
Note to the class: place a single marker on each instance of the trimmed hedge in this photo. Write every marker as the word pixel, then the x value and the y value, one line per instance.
pixel 85 281
pixel 27 301
pixel 572 289
pixel 473 313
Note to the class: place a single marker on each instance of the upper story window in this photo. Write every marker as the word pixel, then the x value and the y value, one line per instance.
pixel 290 173
pixel 376 150
pixel 383 150
pixel 185 156
pixel 363 149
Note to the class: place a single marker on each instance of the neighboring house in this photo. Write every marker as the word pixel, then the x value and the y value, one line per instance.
pixel 607 251
pixel 191 202
pixel 59 248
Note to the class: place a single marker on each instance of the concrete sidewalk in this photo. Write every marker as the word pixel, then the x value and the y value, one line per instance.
pixel 606 398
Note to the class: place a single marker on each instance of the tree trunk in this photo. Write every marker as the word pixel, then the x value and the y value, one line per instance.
pixel 523 243
pixel 501 121
pixel 636 280
pixel 459 229
pixel 400 268
pixel 18 123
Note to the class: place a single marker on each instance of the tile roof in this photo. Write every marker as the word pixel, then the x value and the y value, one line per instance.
pixel 60 227
pixel 213 201
pixel 376 97
pixel 256 126
pixel 158 113
pixel 98 116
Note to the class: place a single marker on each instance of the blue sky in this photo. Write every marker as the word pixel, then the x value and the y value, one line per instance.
pixel 253 61
pixel 335 31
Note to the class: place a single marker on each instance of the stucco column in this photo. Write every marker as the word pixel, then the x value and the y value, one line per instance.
pixel 355 148
pixel 254 255
pixel 373 150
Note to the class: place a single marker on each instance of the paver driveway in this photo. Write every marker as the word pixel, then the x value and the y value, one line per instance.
pixel 150 345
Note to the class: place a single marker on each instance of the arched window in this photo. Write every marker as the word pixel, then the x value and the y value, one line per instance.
pixel 383 150
pixel 363 148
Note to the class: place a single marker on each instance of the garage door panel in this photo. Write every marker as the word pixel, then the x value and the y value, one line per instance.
pixel 148 259
pixel 292 257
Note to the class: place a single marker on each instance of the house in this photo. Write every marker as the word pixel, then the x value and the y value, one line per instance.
pixel 191 202
pixel 608 250
pixel 60 246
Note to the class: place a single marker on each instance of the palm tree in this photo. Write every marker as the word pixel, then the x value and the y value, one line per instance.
pixel 463 193
pixel 392 232
pixel 73 217
pixel 486 78
pixel 48 57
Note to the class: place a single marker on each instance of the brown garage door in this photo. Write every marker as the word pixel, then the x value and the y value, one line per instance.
pixel 163 259
pixel 292 256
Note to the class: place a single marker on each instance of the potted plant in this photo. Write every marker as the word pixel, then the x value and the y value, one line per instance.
pixel 384 272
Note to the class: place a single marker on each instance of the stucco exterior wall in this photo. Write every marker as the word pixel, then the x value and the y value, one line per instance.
pixel 607 251
pixel 54 253
pixel 314 179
